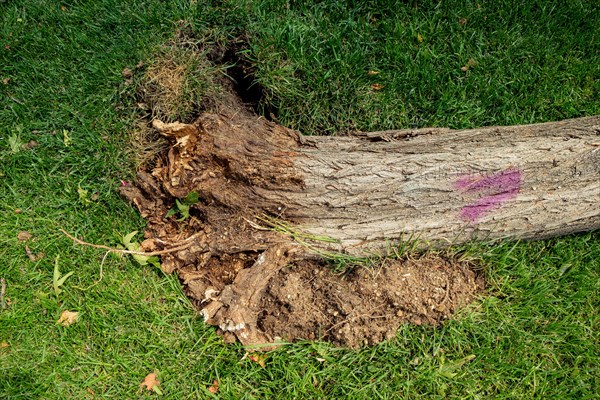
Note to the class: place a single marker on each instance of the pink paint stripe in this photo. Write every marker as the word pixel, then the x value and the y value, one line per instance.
pixel 473 212
pixel 504 180
pixel 502 187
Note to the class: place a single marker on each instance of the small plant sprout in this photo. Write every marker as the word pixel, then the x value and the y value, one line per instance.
pixel 135 246
pixel 183 207
pixel 57 279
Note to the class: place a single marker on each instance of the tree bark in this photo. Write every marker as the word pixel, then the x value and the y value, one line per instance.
pixel 443 186
pixel 438 185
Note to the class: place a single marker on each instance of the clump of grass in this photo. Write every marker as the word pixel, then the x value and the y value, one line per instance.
pixel 179 82
pixel 145 144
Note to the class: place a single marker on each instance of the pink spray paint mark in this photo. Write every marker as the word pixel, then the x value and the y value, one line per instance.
pixel 498 189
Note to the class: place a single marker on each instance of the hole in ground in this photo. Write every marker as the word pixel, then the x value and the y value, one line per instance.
pixel 245 84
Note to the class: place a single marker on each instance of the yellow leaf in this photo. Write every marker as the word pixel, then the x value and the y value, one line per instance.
pixel 372 72
pixel 419 38
pixel 259 358
pixel 68 317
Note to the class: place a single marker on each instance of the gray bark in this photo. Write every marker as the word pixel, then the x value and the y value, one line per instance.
pixel 443 186
pixel 367 191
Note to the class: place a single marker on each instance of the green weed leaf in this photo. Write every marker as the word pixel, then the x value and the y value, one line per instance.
pixel 83 196
pixel 57 279
pixel 183 207
pixel 135 246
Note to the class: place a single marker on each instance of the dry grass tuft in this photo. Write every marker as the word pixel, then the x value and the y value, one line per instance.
pixel 178 83
pixel 145 144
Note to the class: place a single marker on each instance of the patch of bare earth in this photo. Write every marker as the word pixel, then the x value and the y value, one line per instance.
pixel 259 285
pixel 366 306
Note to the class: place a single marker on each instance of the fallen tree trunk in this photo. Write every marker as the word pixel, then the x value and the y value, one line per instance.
pixel 269 191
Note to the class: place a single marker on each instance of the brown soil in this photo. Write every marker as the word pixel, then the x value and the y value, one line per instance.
pixel 366 306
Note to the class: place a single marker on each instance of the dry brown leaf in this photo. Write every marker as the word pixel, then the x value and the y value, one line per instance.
pixel 469 64
pixel 127 73
pixel 214 388
pixel 17 211
pixel 30 145
pixel 4 345
pixel 5 81
pixel 68 317
pixel 462 21
pixel 151 382
pixel 33 257
pixel 372 72
pixel 376 86
pixel 24 236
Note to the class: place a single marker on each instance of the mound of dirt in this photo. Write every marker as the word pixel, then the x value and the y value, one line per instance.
pixel 220 205
pixel 366 306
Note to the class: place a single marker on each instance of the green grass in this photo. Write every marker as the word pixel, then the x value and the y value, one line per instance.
pixel 534 61
pixel 533 336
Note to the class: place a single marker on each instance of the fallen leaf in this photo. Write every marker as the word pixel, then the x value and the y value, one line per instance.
pixel 127 73
pixel 63 8
pixel 5 81
pixel 151 383
pixel 376 86
pixel 462 21
pixel 17 211
pixel 419 38
pixel 68 317
pixel 90 391
pixel 469 64
pixel 24 236
pixel 372 72
pixel 214 388
pixel 4 345
pixel 259 358
pixel 30 145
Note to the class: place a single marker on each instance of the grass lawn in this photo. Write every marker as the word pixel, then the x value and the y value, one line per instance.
pixel 324 67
